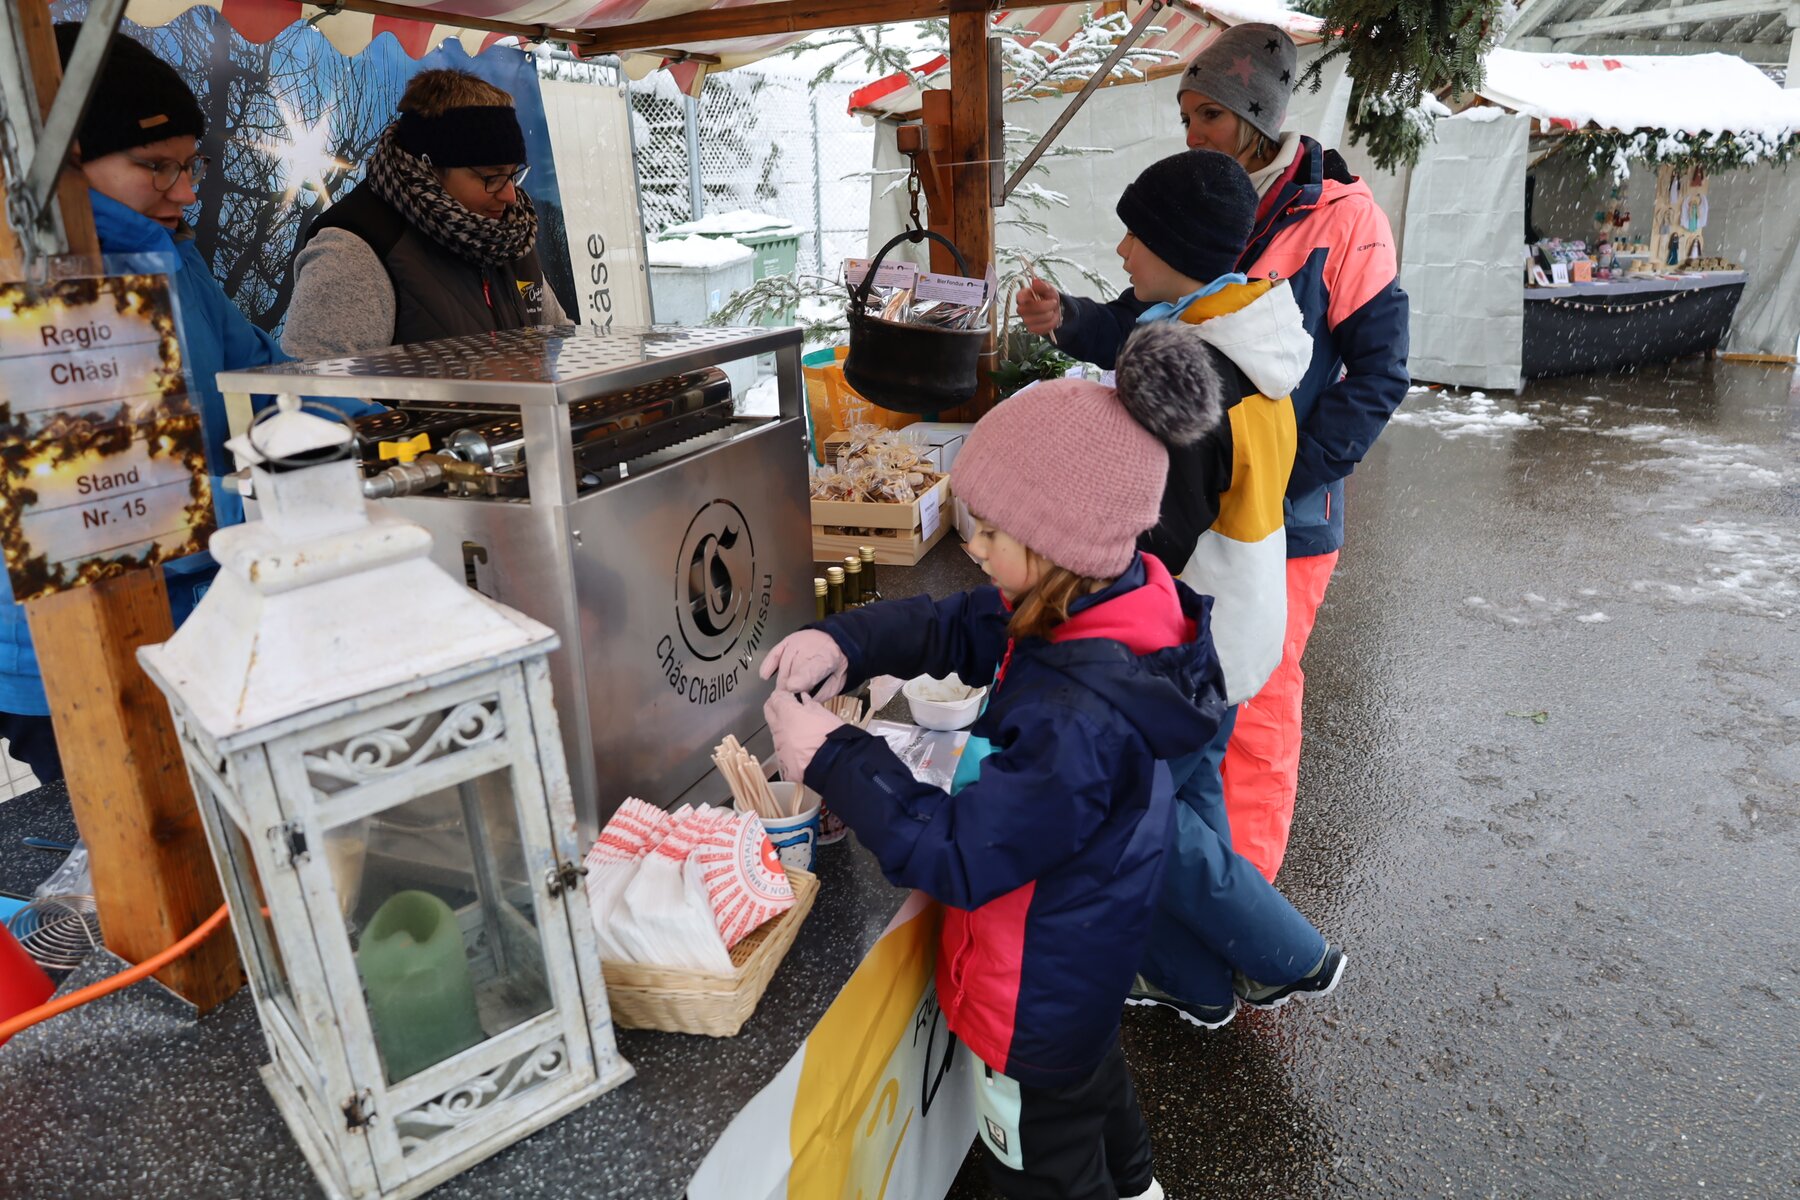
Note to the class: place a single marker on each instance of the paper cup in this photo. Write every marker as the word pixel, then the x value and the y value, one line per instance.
pixel 796 838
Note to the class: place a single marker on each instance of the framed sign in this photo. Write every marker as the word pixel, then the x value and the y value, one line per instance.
pixel 102 461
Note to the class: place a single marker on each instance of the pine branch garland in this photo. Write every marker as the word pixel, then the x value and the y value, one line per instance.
pixel 1398 54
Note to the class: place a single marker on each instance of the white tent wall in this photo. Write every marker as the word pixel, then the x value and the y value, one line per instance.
pixel 1388 187
pixel 1141 123
pixel 1463 268
pixel 1752 219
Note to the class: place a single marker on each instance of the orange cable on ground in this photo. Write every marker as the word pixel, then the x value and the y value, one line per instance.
pixel 113 983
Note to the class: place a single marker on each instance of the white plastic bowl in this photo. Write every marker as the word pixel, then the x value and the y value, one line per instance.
pixel 942 714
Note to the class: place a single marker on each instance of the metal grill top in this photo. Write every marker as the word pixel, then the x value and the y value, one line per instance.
pixel 547 365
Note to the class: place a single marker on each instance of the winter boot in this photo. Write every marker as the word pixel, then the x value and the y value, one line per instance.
pixel 1317 982
pixel 1206 1016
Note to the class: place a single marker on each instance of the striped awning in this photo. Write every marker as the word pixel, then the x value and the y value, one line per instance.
pixel 1190 23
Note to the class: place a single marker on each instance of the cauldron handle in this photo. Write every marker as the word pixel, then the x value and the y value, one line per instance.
pixel 861 291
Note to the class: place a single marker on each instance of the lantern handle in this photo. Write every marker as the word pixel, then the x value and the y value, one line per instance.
pixel 288 402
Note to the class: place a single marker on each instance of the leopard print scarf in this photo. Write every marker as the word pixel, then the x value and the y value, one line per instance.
pixel 408 183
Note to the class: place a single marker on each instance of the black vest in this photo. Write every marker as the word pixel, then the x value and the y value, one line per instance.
pixel 437 294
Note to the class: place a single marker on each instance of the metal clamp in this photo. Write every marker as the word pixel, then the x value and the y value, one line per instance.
pixel 564 877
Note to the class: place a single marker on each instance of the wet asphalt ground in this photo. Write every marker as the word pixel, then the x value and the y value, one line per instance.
pixel 1550 804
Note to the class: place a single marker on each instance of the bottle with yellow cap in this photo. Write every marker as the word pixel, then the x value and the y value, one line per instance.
pixel 870 592
pixel 853 597
pixel 819 599
pixel 834 590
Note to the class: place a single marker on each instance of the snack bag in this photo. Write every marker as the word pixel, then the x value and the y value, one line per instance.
pixel 614 859
pixel 744 879
pixel 666 918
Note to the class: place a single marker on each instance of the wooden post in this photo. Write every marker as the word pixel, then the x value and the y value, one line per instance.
pixel 937 180
pixel 46 74
pixel 154 879
pixel 972 173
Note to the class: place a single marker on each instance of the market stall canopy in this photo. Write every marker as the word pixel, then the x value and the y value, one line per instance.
pixel 1187 26
pixel 1693 94
pixel 478 24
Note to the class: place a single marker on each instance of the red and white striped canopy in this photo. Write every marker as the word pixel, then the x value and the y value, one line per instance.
pixel 1190 24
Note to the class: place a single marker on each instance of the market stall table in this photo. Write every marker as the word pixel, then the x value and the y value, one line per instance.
pixel 1618 324
pixel 131 1096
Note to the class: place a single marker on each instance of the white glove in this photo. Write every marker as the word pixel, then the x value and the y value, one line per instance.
pixel 804 660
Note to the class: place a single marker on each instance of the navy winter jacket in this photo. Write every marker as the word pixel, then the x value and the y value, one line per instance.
pixel 1320 229
pixel 1049 863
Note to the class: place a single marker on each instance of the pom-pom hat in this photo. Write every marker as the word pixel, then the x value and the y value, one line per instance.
pixel 1075 470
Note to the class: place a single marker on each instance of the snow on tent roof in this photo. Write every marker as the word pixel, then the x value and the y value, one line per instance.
pixel 1694 93
pixel 1188 25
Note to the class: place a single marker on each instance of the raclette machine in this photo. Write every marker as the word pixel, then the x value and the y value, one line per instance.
pixel 612 486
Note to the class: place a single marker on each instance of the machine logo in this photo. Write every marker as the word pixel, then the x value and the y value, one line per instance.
pixel 714 580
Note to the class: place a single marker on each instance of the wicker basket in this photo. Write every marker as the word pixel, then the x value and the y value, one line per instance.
pixel 677 1000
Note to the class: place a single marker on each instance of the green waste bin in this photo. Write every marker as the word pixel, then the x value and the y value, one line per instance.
pixel 774 242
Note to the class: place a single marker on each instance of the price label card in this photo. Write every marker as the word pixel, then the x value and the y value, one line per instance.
pixel 890 274
pixel 102 459
pixel 930 513
pixel 954 288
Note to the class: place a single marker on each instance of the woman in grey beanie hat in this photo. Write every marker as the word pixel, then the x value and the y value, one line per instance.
pixel 1318 227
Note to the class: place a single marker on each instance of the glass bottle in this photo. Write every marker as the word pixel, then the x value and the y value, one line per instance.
pixel 819 597
pixel 853 596
pixel 870 593
pixel 834 589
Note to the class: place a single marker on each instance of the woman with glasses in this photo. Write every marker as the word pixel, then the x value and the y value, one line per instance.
pixel 438 240
pixel 138 150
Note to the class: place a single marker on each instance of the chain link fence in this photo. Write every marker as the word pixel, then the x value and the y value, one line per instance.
pixel 765 142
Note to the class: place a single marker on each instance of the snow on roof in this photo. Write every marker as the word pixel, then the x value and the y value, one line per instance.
pixel 696 252
pixel 740 220
pixel 1692 93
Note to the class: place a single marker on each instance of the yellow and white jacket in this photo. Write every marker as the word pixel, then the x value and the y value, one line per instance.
pixel 1222 509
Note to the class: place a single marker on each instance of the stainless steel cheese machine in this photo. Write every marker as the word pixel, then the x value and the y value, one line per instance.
pixel 611 485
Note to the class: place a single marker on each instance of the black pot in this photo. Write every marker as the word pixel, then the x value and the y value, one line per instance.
pixel 911 368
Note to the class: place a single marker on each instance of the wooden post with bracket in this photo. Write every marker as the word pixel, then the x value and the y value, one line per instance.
pixel 154 879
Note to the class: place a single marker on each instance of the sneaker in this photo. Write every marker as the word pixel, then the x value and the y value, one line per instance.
pixel 1153 1192
pixel 1206 1016
pixel 1317 982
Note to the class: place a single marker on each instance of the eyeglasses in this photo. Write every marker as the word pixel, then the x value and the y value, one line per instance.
pixel 496 182
pixel 165 171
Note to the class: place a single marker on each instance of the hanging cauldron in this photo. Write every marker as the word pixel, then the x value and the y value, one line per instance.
pixel 911 368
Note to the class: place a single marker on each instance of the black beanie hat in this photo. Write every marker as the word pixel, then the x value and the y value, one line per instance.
pixel 1194 210
pixel 138 98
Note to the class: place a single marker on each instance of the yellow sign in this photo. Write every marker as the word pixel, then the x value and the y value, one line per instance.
pixel 102 459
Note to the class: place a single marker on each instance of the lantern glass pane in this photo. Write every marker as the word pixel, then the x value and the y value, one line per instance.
pixel 444 925
pixel 264 955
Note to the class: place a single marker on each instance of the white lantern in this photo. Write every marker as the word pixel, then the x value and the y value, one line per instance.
pixel 374 752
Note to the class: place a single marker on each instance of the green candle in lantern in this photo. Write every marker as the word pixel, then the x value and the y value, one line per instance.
pixel 416 975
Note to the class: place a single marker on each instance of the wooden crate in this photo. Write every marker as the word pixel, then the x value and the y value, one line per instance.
pixel 895 530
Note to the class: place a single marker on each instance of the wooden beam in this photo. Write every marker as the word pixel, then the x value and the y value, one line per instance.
pixel 973 72
pixel 1681 14
pixel 1535 13
pixel 1760 53
pixel 154 880
pixel 771 19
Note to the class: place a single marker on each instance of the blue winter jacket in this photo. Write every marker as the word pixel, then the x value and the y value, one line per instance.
pixel 1321 230
pixel 1049 862
pixel 215 337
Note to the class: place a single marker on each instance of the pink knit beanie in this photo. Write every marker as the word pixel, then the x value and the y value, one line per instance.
pixel 1075 470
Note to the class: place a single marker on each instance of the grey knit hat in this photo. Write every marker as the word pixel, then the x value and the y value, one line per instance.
pixel 1248 69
